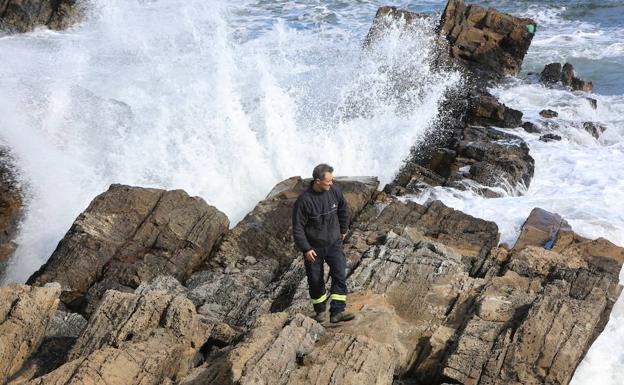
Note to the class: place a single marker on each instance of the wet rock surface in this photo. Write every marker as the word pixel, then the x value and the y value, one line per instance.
pixel 25 15
pixel 128 235
pixel 554 74
pixel 11 206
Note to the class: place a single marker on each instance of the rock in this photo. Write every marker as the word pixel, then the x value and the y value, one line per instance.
pixel 486 110
pixel 25 15
pixel 530 128
pixel 165 283
pixel 551 74
pixel 569 79
pixel 24 315
pixel 66 324
pixel 387 16
pixel 490 157
pixel 129 235
pixel 548 114
pixel 540 229
pixel 155 337
pixel 11 206
pixel 239 295
pixel 549 137
pixel 489 43
pixel 595 129
pixel 593 103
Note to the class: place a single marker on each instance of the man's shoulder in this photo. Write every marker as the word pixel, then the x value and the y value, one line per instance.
pixel 304 195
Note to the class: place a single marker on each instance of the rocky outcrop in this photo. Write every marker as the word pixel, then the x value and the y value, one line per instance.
pixel 492 158
pixel 150 339
pixel 486 110
pixel 129 235
pixel 548 114
pixel 595 129
pixel 24 315
pixel 11 206
pixel 554 74
pixel 25 15
pixel 255 269
pixel 489 43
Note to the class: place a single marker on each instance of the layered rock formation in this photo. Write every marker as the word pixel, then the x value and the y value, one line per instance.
pixel 25 15
pixel 488 42
pixel 24 315
pixel 554 74
pixel 128 235
pixel 11 206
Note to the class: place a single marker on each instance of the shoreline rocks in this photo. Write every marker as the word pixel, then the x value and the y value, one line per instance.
pixel 11 207
pixel 18 16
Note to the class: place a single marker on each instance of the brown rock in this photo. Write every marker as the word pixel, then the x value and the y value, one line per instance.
pixel 569 79
pixel 548 114
pixel 486 110
pixel 531 128
pixel 11 205
pixel 490 43
pixel 155 337
pixel 24 315
pixel 25 15
pixel 129 235
pixel 385 17
pixel 540 229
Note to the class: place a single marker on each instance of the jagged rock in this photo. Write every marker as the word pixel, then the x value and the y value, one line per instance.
pixel 25 15
pixel 551 74
pixel 540 229
pixel 530 128
pixel 490 43
pixel 595 129
pixel 24 315
pixel 11 205
pixel 548 114
pixel 593 103
pixel 549 137
pixel 129 235
pixel 385 17
pixel 155 337
pixel 488 156
pixel 238 295
pixel 486 110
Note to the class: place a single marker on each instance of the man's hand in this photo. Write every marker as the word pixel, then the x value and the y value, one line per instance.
pixel 310 255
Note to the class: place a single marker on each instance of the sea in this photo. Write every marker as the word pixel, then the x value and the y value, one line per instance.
pixel 226 99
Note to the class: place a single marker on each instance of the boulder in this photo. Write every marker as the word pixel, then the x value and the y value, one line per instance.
pixel 11 206
pixel 129 235
pixel 154 337
pixel 551 74
pixel 540 229
pixel 489 43
pixel 549 137
pixel 548 114
pixel 387 16
pixel 25 15
pixel 554 73
pixel 593 103
pixel 595 129
pixel 531 128
pixel 25 312
pixel 486 110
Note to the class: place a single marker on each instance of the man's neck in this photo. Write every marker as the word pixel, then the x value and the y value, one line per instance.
pixel 317 189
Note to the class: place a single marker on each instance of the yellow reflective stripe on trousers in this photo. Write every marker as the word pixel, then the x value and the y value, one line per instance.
pixel 321 299
pixel 339 297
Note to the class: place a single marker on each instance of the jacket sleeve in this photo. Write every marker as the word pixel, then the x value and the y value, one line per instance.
pixel 343 213
pixel 299 220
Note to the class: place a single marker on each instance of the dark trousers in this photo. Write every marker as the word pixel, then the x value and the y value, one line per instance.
pixel 335 258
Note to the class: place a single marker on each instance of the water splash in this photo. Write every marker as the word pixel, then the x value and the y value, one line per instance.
pixel 181 95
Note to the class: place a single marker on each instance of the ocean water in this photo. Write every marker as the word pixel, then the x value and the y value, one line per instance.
pixel 226 99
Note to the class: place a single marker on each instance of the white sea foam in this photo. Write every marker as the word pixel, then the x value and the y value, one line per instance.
pixel 180 94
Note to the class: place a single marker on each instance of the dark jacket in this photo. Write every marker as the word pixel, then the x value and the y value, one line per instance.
pixel 319 218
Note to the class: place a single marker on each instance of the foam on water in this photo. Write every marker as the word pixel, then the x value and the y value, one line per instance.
pixel 185 94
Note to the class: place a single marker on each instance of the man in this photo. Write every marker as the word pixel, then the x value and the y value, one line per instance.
pixel 320 222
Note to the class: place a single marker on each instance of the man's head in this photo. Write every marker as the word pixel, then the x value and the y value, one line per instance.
pixel 322 177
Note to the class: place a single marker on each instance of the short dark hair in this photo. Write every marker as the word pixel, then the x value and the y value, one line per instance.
pixel 320 170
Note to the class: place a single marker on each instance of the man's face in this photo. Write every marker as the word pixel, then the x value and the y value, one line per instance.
pixel 326 182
